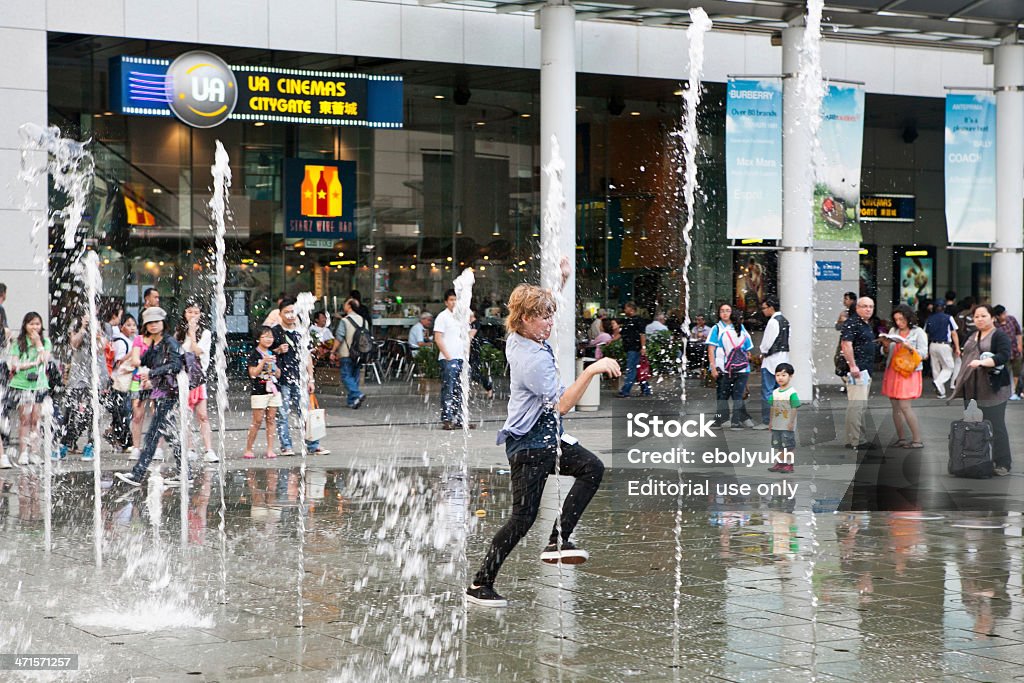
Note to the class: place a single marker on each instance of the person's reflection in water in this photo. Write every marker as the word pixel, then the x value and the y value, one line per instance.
pixel 197 511
pixel 29 497
pixel 983 583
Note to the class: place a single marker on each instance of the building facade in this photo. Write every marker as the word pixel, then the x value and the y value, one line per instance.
pixel 459 182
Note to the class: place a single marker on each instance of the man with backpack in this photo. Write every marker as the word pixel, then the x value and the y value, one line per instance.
pixel 774 350
pixel 352 343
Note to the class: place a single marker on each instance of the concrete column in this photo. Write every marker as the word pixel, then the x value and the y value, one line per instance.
pixel 558 119
pixel 23 92
pixel 1007 259
pixel 796 260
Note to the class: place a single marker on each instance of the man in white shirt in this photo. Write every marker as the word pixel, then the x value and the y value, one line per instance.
pixel 419 334
pixel 319 329
pixel 774 350
pixel 656 325
pixel 451 337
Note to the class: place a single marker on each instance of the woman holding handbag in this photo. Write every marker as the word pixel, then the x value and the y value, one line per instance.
pixel 905 347
pixel 196 340
pixel 985 378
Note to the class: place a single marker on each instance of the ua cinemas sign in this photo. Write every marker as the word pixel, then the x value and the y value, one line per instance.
pixel 202 91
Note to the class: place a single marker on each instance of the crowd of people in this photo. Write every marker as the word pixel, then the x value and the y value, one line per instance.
pixel 137 367
pixel 975 347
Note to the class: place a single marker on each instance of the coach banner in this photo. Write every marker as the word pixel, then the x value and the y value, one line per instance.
pixel 753 159
pixel 971 168
pixel 837 170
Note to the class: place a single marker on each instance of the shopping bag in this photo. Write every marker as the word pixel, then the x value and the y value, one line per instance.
pixel 643 372
pixel 316 420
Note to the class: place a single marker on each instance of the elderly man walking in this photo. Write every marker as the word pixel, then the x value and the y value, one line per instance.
pixel 860 348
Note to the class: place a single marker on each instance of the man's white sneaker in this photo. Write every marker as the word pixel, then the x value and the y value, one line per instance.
pixel 35 459
pixel 211 457
pixel 5 462
pixel 23 460
pixel 159 455
pixel 133 454
pixel 761 427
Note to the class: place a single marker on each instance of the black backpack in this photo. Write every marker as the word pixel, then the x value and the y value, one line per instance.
pixel 362 344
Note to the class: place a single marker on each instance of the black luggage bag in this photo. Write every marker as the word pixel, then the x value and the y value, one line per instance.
pixel 970 449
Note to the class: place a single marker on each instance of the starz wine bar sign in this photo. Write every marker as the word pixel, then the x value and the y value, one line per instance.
pixel 201 90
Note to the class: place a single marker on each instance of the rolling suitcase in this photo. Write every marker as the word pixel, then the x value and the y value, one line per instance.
pixel 970 449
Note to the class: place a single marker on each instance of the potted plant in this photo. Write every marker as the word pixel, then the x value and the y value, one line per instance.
pixel 428 369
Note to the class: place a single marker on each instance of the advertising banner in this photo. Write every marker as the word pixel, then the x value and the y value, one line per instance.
pixel 837 182
pixel 971 168
pixel 319 199
pixel 753 159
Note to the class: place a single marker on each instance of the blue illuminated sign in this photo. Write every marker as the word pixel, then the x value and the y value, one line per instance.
pixel 158 87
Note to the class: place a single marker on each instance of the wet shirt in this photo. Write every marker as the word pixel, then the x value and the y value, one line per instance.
pixel 865 348
pixel 288 361
pixel 631 328
pixel 259 383
pixel 80 372
pixel 533 394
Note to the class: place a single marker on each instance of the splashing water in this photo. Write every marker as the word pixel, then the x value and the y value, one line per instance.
pixel 221 171
pixel 184 413
pixel 303 307
pixel 551 280
pixel 69 164
pixel 699 25
pixel 811 90
pixel 93 285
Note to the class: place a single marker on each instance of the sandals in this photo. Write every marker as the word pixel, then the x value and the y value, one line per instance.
pixel 914 444
pixel 899 443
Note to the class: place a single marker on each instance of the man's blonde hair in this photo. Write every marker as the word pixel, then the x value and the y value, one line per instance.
pixel 528 301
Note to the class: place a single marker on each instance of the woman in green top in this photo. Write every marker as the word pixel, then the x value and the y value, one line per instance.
pixel 29 356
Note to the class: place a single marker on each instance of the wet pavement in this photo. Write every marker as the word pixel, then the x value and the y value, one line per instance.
pixel 353 569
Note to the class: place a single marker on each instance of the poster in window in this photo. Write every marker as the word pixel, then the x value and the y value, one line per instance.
pixel 916 280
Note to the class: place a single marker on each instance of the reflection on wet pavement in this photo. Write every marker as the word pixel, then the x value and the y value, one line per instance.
pixel 763 594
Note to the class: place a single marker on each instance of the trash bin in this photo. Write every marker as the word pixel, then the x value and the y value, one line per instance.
pixel 591 399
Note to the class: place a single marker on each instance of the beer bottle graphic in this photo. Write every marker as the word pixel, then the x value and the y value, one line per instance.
pixel 308 203
pixel 334 194
pixel 322 195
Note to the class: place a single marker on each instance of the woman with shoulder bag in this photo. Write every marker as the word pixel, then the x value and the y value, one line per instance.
pixel 729 346
pixel 985 378
pixel 905 347
pixel 196 340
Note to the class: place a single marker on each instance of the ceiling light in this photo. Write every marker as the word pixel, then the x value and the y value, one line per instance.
pixel 438 97
pixel 259 123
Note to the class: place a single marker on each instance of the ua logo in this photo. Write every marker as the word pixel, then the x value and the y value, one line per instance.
pixel 208 89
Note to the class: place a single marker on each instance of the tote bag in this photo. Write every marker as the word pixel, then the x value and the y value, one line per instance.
pixel 316 420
